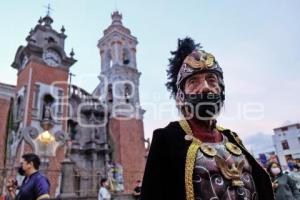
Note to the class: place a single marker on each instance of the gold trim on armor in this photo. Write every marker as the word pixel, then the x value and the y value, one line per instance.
pixel 231 172
pixel 208 150
pixel 232 148
pixel 207 60
pixel 190 159
pixel 220 128
pixel 43 196
pixel 189 169
pixel 189 133
pixel 186 127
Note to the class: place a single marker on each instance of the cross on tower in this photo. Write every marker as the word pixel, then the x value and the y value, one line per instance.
pixel 49 9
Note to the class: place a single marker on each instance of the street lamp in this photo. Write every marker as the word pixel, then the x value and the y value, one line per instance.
pixel 46 137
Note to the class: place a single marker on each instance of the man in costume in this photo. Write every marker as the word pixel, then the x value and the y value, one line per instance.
pixel 194 158
pixel 35 186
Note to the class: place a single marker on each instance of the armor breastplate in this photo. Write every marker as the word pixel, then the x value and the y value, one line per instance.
pixel 222 172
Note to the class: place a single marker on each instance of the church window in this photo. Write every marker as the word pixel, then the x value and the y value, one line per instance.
pixel 48 100
pixel 128 92
pixel 36 96
pixel 72 129
pixel 126 56
pixel 20 108
pixel 108 59
pixel 109 93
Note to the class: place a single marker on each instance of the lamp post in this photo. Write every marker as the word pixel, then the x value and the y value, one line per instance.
pixel 46 137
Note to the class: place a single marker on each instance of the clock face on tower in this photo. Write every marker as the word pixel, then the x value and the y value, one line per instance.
pixel 52 58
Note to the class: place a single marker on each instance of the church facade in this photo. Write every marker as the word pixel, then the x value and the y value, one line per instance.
pixel 80 137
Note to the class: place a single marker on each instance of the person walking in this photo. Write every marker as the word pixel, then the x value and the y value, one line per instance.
pixel 35 185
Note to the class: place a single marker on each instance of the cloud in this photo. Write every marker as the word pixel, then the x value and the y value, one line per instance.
pixel 259 143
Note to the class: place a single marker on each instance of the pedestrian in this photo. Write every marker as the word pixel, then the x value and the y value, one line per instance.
pixel 291 164
pixel 194 158
pixel 295 175
pixel 137 190
pixel 104 194
pixel 284 186
pixel 35 186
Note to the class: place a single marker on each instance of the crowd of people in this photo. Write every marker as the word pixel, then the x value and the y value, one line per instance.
pixel 285 179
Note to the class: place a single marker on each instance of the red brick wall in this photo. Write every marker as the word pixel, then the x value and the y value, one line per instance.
pixel 128 136
pixel 47 75
pixel 4 115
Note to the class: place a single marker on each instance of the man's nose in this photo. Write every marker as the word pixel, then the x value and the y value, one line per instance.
pixel 203 87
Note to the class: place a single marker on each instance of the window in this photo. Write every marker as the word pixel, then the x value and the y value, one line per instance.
pixel 72 125
pixel 128 92
pixel 108 59
pixel 36 96
pixel 284 129
pixel 126 56
pixel 285 144
pixel 20 108
pixel 109 94
pixel 48 100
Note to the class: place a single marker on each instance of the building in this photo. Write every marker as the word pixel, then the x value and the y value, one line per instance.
pixel 80 137
pixel 287 143
pixel 119 91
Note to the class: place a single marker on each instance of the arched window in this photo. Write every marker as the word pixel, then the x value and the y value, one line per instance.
pixel 20 108
pixel 72 129
pixel 48 100
pixel 110 93
pixel 126 56
pixel 108 59
pixel 127 92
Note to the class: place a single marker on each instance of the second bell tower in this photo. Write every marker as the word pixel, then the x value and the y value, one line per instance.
pixel 119 90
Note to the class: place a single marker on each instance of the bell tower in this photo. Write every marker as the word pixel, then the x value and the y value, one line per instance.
pixel 40 104
pixel 119 91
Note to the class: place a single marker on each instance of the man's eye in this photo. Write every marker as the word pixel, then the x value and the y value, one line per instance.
pixel 191 82
pixel 212 79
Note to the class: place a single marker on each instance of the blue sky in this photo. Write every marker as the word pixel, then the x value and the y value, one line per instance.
pixel 257 43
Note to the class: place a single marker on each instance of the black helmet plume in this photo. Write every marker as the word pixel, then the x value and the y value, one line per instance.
pixel 184 48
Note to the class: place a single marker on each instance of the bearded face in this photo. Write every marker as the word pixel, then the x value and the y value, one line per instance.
pixel 202 96
pixel 200 86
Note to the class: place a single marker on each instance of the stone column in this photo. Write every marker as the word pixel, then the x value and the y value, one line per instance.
pixel 44 166
pixel 67 189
